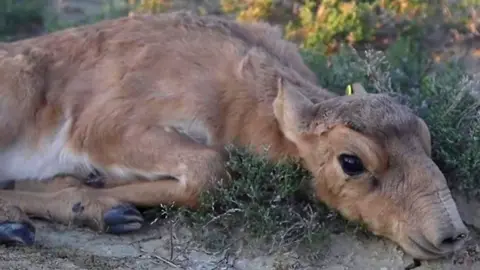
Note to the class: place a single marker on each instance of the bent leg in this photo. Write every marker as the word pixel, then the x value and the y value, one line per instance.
pixel 61 182
pixel 15 226
pixel 75 206
pixel 147 161
pixel 175 168
pixel 47 185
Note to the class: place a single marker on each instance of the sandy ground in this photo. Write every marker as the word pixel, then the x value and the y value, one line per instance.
pixel 161 247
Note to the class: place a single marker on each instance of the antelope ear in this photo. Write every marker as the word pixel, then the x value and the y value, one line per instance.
pixel 293 111
pixel 358 89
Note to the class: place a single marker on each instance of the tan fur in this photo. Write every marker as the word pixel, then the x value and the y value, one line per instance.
pixel 150 101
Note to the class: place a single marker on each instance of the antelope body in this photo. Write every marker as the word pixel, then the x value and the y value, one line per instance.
pixel 150 102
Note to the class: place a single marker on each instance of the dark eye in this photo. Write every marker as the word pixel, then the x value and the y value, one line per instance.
pixel 351 164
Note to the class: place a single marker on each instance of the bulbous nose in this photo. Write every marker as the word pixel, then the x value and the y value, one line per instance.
pixel 444 228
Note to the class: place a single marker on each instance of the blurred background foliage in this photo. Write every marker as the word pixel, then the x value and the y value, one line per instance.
pixel 322 25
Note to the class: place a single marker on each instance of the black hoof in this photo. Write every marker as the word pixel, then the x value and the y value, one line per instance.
pixel 95 180
pixel 17 233
pixel 122 219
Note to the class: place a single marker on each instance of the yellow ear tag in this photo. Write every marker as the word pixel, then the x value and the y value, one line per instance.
pixel 349 90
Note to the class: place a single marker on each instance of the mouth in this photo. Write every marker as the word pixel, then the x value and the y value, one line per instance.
pixel 423 250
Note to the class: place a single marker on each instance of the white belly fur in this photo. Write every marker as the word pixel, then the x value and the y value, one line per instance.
pixel 21 162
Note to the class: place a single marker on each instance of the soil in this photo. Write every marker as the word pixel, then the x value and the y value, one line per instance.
pixel 160 246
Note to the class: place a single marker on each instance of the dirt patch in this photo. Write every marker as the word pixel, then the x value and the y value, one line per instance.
pixel 162 247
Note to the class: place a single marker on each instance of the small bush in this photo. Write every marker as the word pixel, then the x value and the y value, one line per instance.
pixel 267 201
pixel 150 6
pixel 20 18
pixel 325 25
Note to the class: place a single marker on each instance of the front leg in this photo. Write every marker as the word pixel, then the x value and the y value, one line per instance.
pixel 94 180
pixel 165 167
pixel 72 205
pixel 15 226
pixel 64 199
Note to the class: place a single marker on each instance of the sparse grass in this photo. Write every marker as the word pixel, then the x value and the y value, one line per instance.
pixel 267 201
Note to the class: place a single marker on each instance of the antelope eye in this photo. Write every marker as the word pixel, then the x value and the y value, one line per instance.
pixel 351 165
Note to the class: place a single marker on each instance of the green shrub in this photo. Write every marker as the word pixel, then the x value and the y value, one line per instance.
pixel 268 201
pixel 325 25
pixel 249 10
pixel 150 6
pixel 20 18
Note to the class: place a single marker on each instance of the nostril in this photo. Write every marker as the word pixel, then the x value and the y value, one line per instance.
pixel 448 241
pixel 453 240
